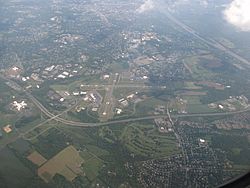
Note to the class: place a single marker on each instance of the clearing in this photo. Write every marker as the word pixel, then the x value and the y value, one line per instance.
pixel 67 163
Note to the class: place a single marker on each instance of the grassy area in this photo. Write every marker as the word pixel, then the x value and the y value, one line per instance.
pixel 194 105
pixel 86 155
pixel 7 119
pixel 148 105
pixel 50 142
pixel 148 142
pixel 66 163
pixel 91 168
pixel 107 134
pixel 199 108
pixel 36 158
pixel 235 146
pixel 83 116
pixel 198 71
pixel 93 80
pixel 97 151
pixel 36 131
pixel 191 85
pixel 241 167
pixel 13 173
pixel 123 92
pixel 118 66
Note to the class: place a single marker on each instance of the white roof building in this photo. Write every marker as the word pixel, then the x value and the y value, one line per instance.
pixel 61 76
pixel 65 73
pixel 19 106
pixel 50 68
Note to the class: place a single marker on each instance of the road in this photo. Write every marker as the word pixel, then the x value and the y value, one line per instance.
pixel 184 27
pixel 211 42
pixel 80 124
pixel 57 117
pixel 123 86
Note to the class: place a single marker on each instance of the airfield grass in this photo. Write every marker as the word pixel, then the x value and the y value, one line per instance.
pixel 92 80
pixel 123 92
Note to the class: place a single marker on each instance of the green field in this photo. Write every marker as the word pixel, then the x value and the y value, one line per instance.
pixel 148 106
pixel 191 86
pixel 13 173
pixel 194 105
pixel 97 151
pixel 198 71
pixel 148 142
pixel 91 168
pixel 51 142
pixel 86 155
pixel 72 86
pixel 67 163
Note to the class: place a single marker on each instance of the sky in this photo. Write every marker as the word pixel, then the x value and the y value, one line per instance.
pixel 146 6
pixel 237 13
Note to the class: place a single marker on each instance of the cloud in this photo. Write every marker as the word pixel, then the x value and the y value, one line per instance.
pixel 146 6
pixel 203 3
pixel 237 13
pixel 176 5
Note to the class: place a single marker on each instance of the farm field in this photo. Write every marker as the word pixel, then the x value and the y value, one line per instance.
pixel 36 158
pixel 67 163
pixel 123 93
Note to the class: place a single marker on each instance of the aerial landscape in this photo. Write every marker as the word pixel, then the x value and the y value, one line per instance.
pixel 123 93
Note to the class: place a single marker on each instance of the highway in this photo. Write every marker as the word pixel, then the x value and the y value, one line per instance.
pixel 211 42
pixel 57 117
pixel 81 124
pixel 103 86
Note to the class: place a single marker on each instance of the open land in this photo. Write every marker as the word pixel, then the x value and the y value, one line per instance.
pixel 105 94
